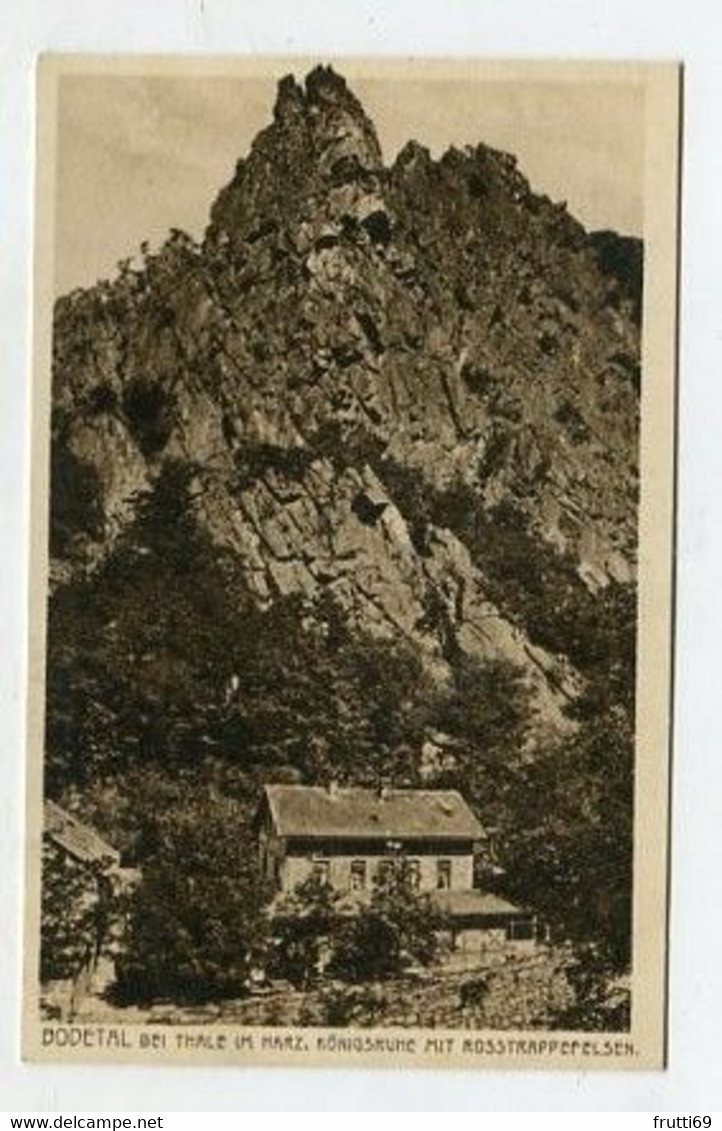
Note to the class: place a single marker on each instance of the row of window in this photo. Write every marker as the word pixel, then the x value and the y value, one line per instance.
pixel 359 872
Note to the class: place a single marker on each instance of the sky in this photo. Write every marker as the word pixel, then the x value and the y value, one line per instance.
pixel 137 155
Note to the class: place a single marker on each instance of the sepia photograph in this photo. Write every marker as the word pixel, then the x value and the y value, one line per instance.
pixel 352 562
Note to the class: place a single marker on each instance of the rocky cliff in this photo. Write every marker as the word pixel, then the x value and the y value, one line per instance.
pixel 414 389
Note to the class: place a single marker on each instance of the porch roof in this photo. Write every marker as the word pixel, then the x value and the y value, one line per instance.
pixel 476 904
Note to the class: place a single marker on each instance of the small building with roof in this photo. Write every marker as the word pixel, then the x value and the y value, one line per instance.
pixel 77 840
pixel 89 877
pixel 346 836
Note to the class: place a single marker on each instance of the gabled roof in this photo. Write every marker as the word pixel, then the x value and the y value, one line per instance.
pixel 349 813
pixel 75 838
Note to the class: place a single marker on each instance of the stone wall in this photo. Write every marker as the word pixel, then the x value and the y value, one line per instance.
pixel 504 991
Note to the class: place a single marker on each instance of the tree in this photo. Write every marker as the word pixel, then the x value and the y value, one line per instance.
pixel 126 689
pixel 602 1000
pixel 486 709
pixel 75 910
pixel 195 922
pixel 570 851
pixel 304 924
pixel 400 927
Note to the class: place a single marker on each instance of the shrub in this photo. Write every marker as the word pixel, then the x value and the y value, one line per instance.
pixel 399 928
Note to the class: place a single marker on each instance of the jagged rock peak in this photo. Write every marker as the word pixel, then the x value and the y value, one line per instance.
pixel 320 139
pixel 412 153
pixel 330 109
pixel 290 100
pixel 323 87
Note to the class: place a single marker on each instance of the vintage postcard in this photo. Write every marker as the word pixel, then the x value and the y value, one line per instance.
pixel 349 722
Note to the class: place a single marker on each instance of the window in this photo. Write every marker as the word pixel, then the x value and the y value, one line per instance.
pixel 520 929
pixel 384 870
pixel 443 874
pixel 413 873
pixel 358 875
pixel 320 872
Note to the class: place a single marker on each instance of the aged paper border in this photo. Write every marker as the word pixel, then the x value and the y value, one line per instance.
pixel 645 1046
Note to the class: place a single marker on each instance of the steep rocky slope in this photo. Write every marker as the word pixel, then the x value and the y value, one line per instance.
pixel 383 383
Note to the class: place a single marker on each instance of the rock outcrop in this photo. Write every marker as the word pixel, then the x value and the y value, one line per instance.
pixel 351 348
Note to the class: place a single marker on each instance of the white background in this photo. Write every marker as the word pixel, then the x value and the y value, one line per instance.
pixel 654 29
